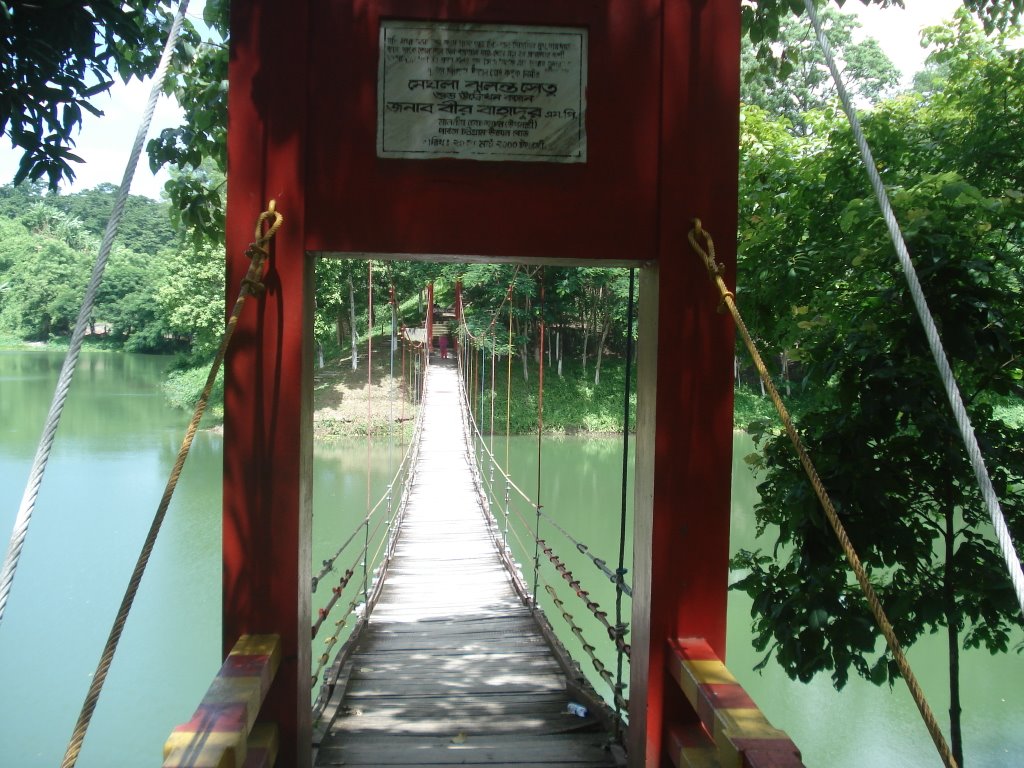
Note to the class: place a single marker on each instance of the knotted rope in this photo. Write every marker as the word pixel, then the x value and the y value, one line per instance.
pixel 251 286
pixel 705 247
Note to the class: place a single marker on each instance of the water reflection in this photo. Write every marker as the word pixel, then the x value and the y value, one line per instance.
pixel 115 447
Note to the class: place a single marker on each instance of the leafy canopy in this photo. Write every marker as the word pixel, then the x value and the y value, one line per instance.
pixel 55 59
pixel 818 278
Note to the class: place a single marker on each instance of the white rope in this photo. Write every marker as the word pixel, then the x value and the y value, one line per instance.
pixel 35 479
pixel 935 344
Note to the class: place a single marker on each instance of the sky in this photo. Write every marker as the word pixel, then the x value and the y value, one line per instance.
pixel 105 142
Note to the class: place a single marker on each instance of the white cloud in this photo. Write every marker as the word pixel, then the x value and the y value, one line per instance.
pixel 898 30
pixel 105 142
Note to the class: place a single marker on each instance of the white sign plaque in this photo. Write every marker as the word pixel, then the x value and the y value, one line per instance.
pixel 482 92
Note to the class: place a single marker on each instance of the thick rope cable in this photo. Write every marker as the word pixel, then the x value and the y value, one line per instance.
pixel 963 420
pixel 251 286
pixel 613 576
pixel 706 251
pixel 67 371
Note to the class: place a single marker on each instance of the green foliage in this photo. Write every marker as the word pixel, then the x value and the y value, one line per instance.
pixel 145 225
pixel 572 403
pixel 55 59
pixel 127 303
pixel 778 38
pixel 43 283
pixel 47 257
pixel 191 297
pixel 799 81
pixel 819 280
pixel 197 149
pixel 183 387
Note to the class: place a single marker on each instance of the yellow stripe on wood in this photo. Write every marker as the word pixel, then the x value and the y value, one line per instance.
pixel 735 725
pixel 208 750
pixel 741 735
pixel 690 747
pixel 217 736
pixel 264 742
pixel 690 674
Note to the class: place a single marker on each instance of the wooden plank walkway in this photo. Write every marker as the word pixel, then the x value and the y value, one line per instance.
pixel 451 668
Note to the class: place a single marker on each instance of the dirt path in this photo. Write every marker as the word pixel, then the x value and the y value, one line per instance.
pixel 343 400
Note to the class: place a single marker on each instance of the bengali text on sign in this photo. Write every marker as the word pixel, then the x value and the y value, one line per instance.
pixel 482 92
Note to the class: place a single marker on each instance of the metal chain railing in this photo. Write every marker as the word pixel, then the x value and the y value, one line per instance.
pixel 602 670
pixel 372 567
pixel 481 453
pixel 366 589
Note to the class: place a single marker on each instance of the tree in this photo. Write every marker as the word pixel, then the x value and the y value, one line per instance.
pixel 127 300
pixel 877 425
pixel 762 25
pixel 145 226
pixel 55 59
pixel 44 280
pixel 802 82
pixel 197 149
pixel 191 299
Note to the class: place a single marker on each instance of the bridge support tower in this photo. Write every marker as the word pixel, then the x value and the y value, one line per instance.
pixel 384 129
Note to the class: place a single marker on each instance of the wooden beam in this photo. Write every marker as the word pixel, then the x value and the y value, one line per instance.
pixel 218 735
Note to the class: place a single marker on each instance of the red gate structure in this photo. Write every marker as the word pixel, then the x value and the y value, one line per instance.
pixel 537 131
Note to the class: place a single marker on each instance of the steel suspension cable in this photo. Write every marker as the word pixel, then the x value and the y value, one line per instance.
pixel 963 421
pixel 407 467
pixel 369 404
pixel 706 251
pixel 251 286
pixel 508 384
pixel 328 564
pixel 621 627
pixel 35 479
pixel 614 632
pixel 483 381
pixel 581 547
pixel 493 396
pixel 540 437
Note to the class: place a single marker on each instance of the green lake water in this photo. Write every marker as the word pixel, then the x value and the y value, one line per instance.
pixel 115 446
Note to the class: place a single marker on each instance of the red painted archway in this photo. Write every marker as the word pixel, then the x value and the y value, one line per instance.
pixel 657 110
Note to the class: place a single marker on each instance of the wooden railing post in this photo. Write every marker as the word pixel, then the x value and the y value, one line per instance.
pixel 729 730
pixel 223 732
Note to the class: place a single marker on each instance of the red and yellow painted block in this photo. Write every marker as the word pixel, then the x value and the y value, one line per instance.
pixel 741 735
pixel 690 747
pixel 218 735
pixel 261 751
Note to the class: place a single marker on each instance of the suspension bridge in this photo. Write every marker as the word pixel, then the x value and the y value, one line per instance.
pixel 451 660
pixel 452 666
pixel 602 144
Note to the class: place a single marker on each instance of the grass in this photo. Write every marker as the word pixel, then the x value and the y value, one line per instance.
pixel 1010 410
pixel 183 387
pixel 572 403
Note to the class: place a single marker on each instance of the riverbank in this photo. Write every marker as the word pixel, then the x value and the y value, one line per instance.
pixel 343 400
pixel 351 403
pixel 573 404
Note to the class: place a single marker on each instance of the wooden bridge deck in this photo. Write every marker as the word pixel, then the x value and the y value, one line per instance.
pixel 451 668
